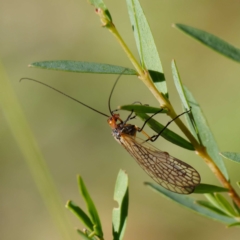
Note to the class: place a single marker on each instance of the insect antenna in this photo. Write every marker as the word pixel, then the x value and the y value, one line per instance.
pixel 110 96
pixel 74 99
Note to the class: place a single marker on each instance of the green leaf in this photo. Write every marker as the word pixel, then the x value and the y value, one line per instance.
pixel 209 206
pixel 83 235
pixel 236 224
pixel 83 67
pixel 224 205
pixel 167 134
pixel 145 44
pixel 205 133
pixel 119 215
pixel 141 109
pixel 80 214
pixel 212 41
pixel 189 203
pixel 238 183
pixel 179 86
pixel 236 207
pixel 221 203
pixel 91 208
pixel 185 103
pixel 207 188
pixel 231 156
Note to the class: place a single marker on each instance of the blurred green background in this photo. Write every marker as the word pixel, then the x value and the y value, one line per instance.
pixel 75 140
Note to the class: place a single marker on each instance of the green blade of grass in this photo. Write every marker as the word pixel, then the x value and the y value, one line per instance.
pixel 32 155
pixel 83 67
pixel 167 134
pixel 119 215
pixel 145 44
pixel 205 133
pixel 190 204
pixel 211 41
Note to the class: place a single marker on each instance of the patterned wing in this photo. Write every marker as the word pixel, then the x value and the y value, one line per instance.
pixel 171 173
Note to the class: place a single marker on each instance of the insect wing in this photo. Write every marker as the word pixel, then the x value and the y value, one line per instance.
pixel 171 173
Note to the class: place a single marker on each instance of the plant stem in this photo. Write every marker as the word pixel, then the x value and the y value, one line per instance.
pixel 164 103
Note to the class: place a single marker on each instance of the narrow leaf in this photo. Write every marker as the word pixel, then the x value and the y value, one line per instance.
pixel 236 208
pixel 207 188
pixel 190 204
pixel 212 199
pixel 209 206
pixel 141 109
pixel 167 134
pixel 119 215
pixel 83 67
pixel 225 205
pixel 236 224
pixel 211 41
pixel 179 86
pixel 145 44
pixel 80 214
pixel 231 156
pixel 91 208
pixel 205 133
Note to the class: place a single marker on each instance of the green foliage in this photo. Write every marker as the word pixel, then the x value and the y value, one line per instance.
pixel 92 222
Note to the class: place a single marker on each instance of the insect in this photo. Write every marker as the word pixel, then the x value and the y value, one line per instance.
pixel 168 171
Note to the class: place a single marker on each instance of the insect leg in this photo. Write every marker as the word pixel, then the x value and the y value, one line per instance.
pixel 155 137
pixel 140 129
pixel 129 117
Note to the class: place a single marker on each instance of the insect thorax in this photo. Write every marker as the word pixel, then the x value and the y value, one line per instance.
pixel 126 129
